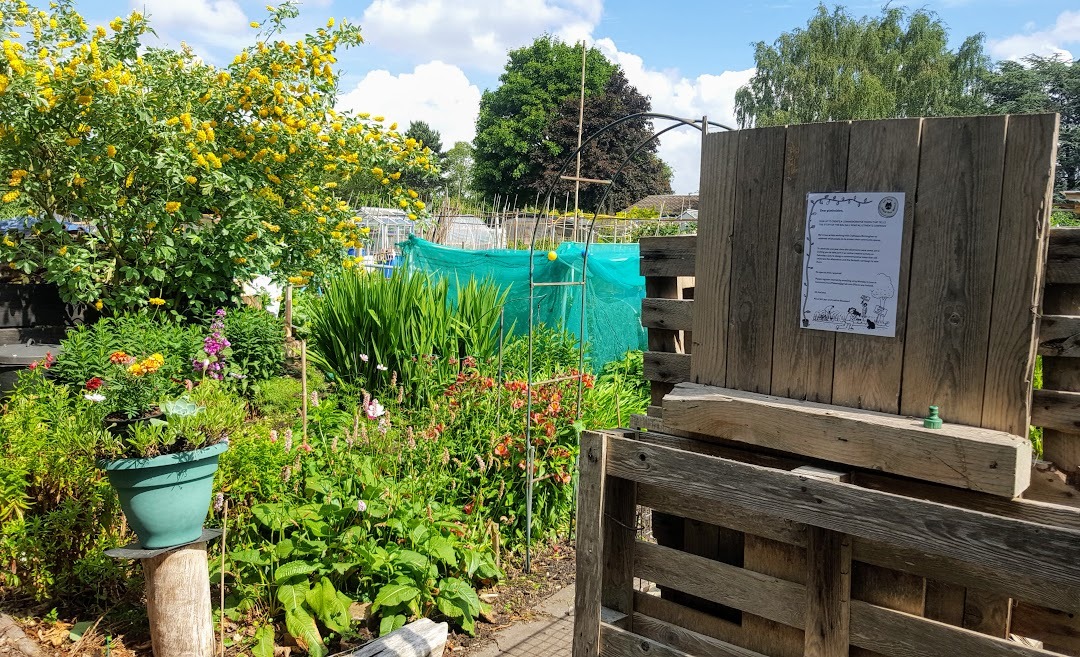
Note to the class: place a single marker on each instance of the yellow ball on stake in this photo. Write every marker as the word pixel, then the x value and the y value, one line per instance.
pixel 552 255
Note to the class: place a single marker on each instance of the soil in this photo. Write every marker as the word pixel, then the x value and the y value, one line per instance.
pixel 511 602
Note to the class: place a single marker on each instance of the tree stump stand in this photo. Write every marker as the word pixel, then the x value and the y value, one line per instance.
pixel 177 596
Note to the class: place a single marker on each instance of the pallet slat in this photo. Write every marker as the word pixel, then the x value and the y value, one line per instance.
pixel 1063 256
pixel 666 368
pixel 956 455
pixel 671 314
pixel 668 256
pixel 1056 409
pixel 1059 335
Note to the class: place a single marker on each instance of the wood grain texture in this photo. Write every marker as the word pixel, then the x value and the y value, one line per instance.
pixel 1057 629
pixel 671 255
pixel 987 612
pixel 1059 335
pixel 589 554
pixel 945 602
pixel 617 642
pixel 1030 156
pixel 1009 546
pixel 1052 409
pixel 1061 372
pixel 787 563
pixel 828 593
pixel 883 157
pixel 420 638
pixel 178 603
pixel 670 314
pixel 956 455
pixel 716 227
pixel 1063 256
pixel 666 368
pixel 690 641
pixel 759 182
pixel 707 624
pixel 961 163
pixel 620 533
pixel 662 340
pixel 815 161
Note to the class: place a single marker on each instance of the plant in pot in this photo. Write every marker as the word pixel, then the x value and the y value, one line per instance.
pixel 160 456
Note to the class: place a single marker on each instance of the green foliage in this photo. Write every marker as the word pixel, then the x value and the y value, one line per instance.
pixel 369 329
pixel 554 351
pixel 1064 218
pixel 458 165
pixel 1043 84
pixel 839 67
pixel 257 342
pixel 654 229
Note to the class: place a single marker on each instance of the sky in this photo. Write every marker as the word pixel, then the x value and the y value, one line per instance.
pixel 430 60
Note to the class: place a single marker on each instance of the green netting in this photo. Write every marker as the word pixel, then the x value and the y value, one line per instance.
pixel 614 288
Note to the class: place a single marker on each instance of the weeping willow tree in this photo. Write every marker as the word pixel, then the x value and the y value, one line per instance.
pixel 839 67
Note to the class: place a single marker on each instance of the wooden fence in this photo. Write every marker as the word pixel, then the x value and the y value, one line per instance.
pixel 766 547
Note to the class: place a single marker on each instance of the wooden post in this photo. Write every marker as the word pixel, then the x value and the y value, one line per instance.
pixel 287 302
pixel 590 541
pixel 178 602
pixel 828 583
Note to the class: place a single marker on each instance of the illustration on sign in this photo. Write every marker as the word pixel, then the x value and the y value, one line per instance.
pixel 851 262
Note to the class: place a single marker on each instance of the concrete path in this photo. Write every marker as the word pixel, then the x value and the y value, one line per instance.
pixel 550 635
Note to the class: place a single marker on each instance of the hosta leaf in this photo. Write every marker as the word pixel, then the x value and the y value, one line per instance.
pixel 328 606
pixel 392 595
pixel 264 642
pixel 301 626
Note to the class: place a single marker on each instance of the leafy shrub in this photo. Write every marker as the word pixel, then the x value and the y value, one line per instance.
pixel 86 349
pixel 257 341
pixel 367 329
pixel 554 350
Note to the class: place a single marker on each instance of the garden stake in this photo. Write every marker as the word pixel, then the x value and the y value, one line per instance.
pixel 221 610
pixel 303 383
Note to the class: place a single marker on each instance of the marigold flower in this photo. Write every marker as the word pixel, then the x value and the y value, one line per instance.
pixel 72 141
pixel 110 150
pixel 98 305
pixel 119 358
pixel 10 196
pixel 156 301
pixel 136 369
pixel 172 206
pixel 191 180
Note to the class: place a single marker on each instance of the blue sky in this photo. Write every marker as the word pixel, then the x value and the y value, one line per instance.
pixel 431 59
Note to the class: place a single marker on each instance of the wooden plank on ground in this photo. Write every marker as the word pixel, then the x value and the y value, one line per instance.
pixel 961 164
pixel 589 554
pixel 759 181
pixel 815 161
pixel 884 157
pixel 957 455
pixel 670 314
pixel 670 255
pixel 620 533
pixel 1005 545
pixel 716 227
pixel 667 368
pixel 1059 335
pixel 1030 155
pixel 1063 256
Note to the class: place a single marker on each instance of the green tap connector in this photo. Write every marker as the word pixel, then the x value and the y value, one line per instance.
pixel 932 421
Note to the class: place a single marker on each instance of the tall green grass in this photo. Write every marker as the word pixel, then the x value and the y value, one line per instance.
pixel 410 323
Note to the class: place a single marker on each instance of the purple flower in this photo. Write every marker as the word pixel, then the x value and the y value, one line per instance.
pixel 220 312
pixel 219 502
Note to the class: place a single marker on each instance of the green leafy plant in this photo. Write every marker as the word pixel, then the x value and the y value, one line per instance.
pixel 257 341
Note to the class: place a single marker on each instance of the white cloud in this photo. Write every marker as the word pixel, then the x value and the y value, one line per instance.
pixel 475 34
pixel 436 92
pixel 1046 42
pixel 220 23
pixel 671 93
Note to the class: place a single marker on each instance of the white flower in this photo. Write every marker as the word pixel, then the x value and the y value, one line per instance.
pixel 375 409
pixel 364 357
pixel 381 367
pixel 94 397
pixel 361 506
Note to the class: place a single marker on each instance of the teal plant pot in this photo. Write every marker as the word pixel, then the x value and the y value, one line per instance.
pixel 166 498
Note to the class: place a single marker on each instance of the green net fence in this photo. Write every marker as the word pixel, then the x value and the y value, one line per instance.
pixel 613 292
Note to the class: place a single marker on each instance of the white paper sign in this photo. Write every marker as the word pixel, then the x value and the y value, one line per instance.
pixel 851 262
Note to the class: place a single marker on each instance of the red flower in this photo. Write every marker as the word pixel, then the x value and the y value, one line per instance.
pixel 502 450
pixel 562 477
pixel 468 508
pixel 94 383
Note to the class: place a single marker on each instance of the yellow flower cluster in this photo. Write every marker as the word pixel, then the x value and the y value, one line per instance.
pixel 149 365
pixel 156 301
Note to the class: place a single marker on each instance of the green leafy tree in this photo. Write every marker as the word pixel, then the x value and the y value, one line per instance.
pixel 839 67
pixel 457 171
pixel 427 183
pixel 518 133
pixel 646 174
pixel 1044 84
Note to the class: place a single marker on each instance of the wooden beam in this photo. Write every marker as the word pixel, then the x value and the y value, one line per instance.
pixel 1063 256
pixel 666 368
pixel 1054 628
pixel 589 554
pixel 620 533
pixel 671 314
pixel 1059 335
pixel 616 642
pixel 178 602
pixel 1008 546
pixel 966 457
pixel 828 583
pixel 671 255
pixel 421 638
pixel 1056 409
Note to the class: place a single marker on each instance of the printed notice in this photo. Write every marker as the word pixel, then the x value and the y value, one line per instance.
pixel 851 262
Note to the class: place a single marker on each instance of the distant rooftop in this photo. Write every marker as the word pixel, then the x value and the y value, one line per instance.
pixel 670 204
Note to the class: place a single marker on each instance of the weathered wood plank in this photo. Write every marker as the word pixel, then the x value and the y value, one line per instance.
pixel 786 563
pixel 1063 256
pixel 620 518
pixel 815 161
pixel 1062 373
pixel 945 602
pixel 590 543
pixel 987 612
pixel 1009 546
pixel 670 314
pixel 667 368
pixel 671 255
pixel 1030 155
pixel 828 591
pixel 1059 335
pixel 884 157
pixel 420 638
pixel 961 163
pixel 751 306
pixel 662 340
pixel 1057 629
pixel 957 455
pixel 1052 409
pixel 707 624
pixel 616 642
pixel 688 640
pixel 716 227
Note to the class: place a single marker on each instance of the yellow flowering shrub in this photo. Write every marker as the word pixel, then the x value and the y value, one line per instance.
pixel 188 177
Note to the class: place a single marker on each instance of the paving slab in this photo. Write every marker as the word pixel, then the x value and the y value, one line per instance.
pixel 550 635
